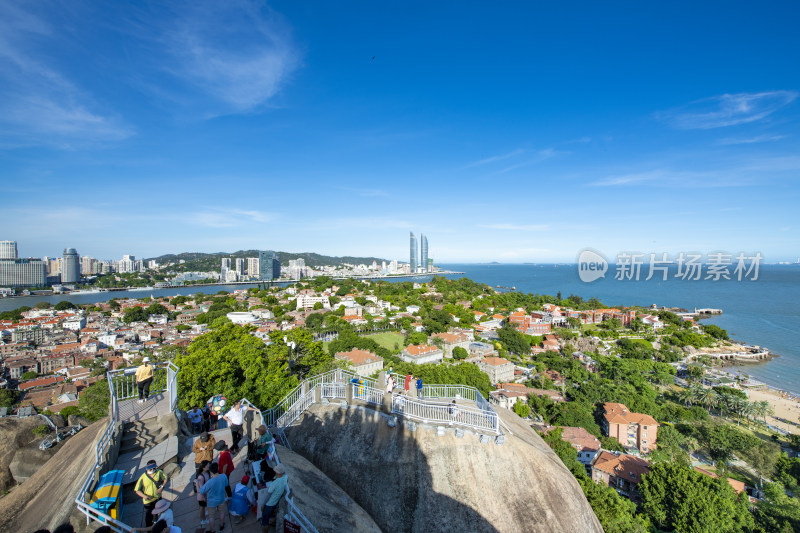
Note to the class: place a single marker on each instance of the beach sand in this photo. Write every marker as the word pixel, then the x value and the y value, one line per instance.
pixel 787 409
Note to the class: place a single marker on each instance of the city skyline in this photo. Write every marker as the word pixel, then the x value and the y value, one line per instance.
pixel 562 128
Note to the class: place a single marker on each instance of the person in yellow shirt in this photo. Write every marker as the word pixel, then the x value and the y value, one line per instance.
pixel 144 377
pixel 149 488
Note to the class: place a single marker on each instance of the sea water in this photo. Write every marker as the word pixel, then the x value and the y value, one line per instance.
pixel 764 312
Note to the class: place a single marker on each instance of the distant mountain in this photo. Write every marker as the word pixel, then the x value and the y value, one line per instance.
pixel 197 261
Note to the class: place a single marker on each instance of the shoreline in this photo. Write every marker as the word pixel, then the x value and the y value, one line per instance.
pixel 786 404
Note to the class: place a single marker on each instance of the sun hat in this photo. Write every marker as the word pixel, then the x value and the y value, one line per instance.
pixel 279 469
pixel 204 436
pixel 161 506
pixel 146 360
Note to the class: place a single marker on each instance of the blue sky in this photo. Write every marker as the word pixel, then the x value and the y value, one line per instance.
pixel 503 132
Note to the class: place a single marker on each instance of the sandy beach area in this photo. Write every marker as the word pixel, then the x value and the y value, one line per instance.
pixel 787 409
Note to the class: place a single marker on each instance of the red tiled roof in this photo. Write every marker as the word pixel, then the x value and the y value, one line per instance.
pixel 624 466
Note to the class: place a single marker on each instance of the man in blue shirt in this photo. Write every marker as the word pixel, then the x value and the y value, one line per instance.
pixel 214 490
pixel 419 388
pixel 275 490
pixel 196 418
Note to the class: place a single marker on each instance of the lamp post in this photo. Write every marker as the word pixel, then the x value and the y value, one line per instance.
pixel 292 346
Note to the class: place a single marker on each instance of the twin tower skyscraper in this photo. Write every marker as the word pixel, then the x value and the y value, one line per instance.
pixel 424 263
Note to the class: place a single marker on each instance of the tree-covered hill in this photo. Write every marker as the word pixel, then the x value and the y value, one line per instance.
pixel 197 261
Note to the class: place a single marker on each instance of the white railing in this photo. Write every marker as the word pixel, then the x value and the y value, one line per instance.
pixel 443 413
pixel 334 377
pixel 84 507
pixel 293 413
pixel 125 380
pixel 368 394
pixel 337 390
pixel 122 386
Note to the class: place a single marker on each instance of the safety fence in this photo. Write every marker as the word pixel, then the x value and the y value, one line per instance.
pixel 439 413
pixel 330 385
pixel 430 409
pixel 103 444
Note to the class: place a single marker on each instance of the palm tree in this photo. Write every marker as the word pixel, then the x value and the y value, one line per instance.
pixel 738 406
pixel 707 397
pixel 765 409
pixel 749 410
pixel 689 395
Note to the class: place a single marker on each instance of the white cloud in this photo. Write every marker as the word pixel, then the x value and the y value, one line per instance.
pixel 750 140
pixel 38 103
pixel 629 179
pixel 496 158
pixel 228 218
pixel 516 227
pixel 238 52
pixel 538 157
pixel 727 110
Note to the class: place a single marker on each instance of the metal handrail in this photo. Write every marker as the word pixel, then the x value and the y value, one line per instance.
pixel 90 512
pixel 124 380
pixel 118 377
pixel 443 413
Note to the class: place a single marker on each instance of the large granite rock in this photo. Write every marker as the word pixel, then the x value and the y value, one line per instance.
pixel 323 502
pixel 15 433
pixel 418 481
pixel 27 461
pixel 47 498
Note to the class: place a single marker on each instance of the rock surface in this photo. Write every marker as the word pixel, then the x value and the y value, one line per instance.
pixel 27 461
pixel 418 481
pixel 75 420
pixel 47 499
pixel 323 502
pixel 15 433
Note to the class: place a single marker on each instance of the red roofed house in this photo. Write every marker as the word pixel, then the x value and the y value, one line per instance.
pixel 738 486
pixel 621 472
pixel 587 444
pixel 452 340
pixel 364 362
pixel 632 430
pixel 497 368
pixel 421 353
pixel 41 382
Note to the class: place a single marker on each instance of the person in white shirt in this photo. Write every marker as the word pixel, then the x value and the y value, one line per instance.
pixel 235 418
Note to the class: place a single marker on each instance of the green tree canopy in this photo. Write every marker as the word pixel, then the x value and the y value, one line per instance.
pixel 678 498
pixel 94 400
pixel 460 353
pixel 230 361
pixel 63 305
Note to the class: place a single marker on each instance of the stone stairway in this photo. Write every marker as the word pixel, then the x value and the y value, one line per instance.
pixel 141 435
pixel 146 434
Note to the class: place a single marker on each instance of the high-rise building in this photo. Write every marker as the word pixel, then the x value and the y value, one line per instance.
pixel 22 272
pixel 239 265
pixel 412 262
pixel 89 265
pixel 252 266
pixel 269 265
pixel 423 252
pixel 8 249
pixel 127 264
pixel 224 268
pixel 70 266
